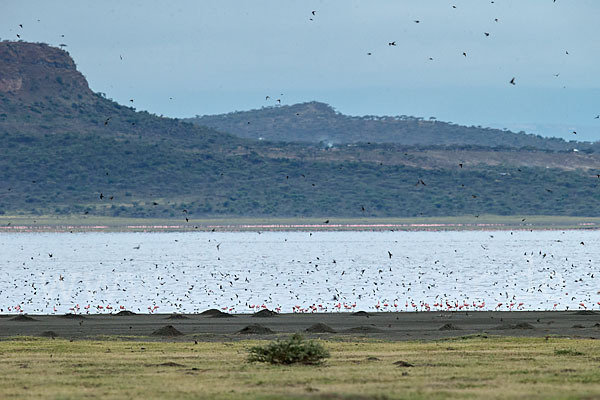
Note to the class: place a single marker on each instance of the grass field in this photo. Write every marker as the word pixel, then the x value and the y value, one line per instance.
pixel 471 367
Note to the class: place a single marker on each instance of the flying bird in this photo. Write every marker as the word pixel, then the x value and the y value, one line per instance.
pixel 392 43
pixel 512 81
pixel 486 33
pixel 314 12
pixel 464 54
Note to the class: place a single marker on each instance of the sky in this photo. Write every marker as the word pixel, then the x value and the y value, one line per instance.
pixel 185 58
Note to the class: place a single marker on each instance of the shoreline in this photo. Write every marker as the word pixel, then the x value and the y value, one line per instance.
pixel 15 224
pixel 386 326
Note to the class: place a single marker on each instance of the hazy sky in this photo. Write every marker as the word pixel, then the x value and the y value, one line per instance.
pixel 182 58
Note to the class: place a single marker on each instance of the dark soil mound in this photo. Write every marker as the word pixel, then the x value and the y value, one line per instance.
pixel 361 314
pixel 72 316
pixel 265 313
pixel 449 327
pixel 523 325
pixel 403 364
pixel 363 329
pixel 170 364
pixel 177 316
pixel 585 312
pixel 168 330
pixel 222 315
pixel 520 325
pixel 255 329
pixel 320 328
pixel 23 318
pixel 596 325
pixel 50 334
pixel 214 313
pixel 125 313
pixel 211 312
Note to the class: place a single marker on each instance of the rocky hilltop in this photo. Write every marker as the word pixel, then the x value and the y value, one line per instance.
pixel 30 72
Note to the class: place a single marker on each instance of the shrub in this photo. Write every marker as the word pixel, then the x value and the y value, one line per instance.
pixel 291 351
pixel 567 352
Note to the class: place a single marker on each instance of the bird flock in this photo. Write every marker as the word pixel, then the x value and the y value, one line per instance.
pixel 298 272
pixel 301 272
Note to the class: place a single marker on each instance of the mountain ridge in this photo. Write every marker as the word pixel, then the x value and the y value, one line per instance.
pixel 65 150
pixel 317 122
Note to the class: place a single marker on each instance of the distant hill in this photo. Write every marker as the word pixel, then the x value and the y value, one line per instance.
pixel 67 150
pixel 316 122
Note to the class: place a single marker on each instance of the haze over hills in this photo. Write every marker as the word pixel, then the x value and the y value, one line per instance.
pixel 316 122
pixel 67 150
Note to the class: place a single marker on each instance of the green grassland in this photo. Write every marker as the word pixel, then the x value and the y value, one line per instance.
pixel 470 367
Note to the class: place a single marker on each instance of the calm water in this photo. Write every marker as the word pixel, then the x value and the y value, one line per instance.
pixel 330 271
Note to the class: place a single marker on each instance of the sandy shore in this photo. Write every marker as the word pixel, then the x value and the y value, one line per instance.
pixel 384 326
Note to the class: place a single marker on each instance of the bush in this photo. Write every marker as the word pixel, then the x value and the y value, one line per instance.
pixel 291 351
pixel 567 352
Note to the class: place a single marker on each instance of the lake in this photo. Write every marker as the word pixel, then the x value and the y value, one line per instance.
pixel 46 273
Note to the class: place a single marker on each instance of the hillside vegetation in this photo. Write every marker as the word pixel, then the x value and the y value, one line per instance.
pixel 319 123
pixel 67 150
